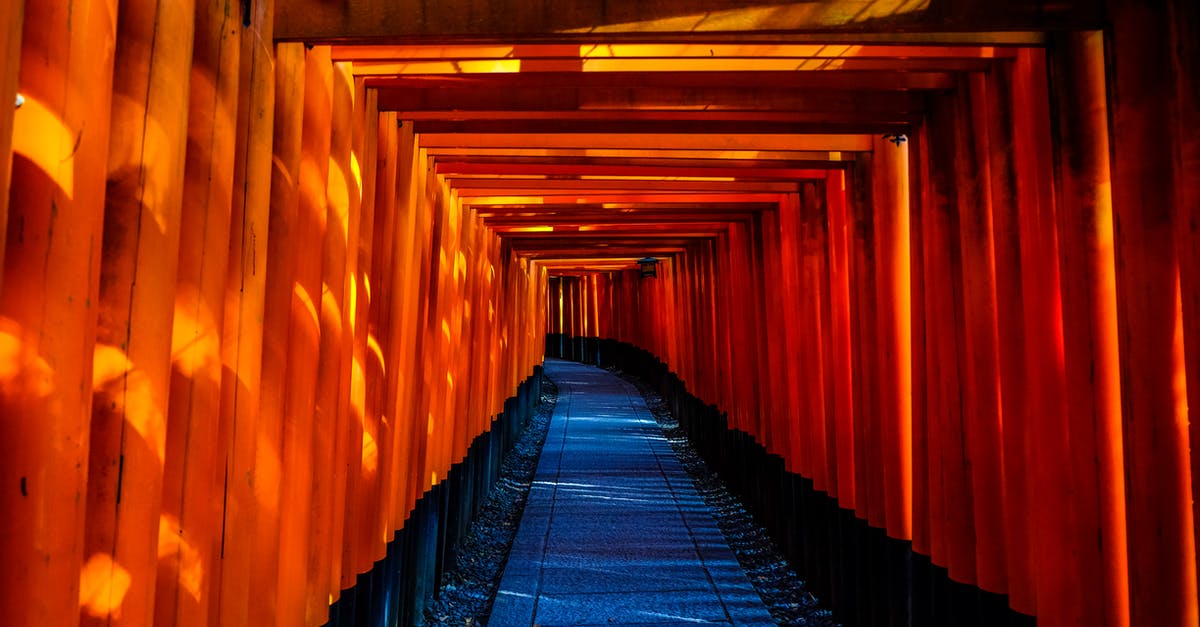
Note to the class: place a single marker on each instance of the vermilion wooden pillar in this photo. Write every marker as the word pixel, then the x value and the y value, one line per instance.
pixel 1082 520
pixel 869 489
pixel 843 414
pixel 11 21
pixel 139 261
pixel 51 268
pixel 982 386
pixel 245 289
pixel 389 401
pixel 364 533
pixel 890 196
pixel 1041 321
pixel 780 360
pixel 1185 42
pixel 794 338
pixel 1145 152
pixel 332 382
pixel 813 240
pixel 920 442
pixel 1014 411
pixel 280 279
pixel 952 531
pixel 198 442
pixel 296 499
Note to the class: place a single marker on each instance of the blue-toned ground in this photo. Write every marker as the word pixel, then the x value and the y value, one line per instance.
pixel 777 584
pixel 618 560
pixel 614 531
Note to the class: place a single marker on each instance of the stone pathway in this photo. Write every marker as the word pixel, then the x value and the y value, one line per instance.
pixel 613 530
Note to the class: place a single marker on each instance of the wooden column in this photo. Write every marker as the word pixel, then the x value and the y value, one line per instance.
pixel 364 535
pixel 139 261
pixel 11 21
pixel 1185 42
pixel 889 178
pixel 50 289
pixel 1083 526
pixel 330 301
pixel 921 497
pixel 869 489
pixel 198 444
pixel 280 278
pixel 981 385
pixel 843 368
pixel 1145 153
pixel 792 331
pixel 1015 416
pixel 380 423
pixel 813 239
pixel 952 534
pixel 244 325
pixel 296 498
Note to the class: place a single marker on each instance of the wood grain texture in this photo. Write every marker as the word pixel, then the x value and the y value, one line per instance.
pixel 49 307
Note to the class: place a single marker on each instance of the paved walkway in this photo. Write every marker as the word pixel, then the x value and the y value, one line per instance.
pixel 614 531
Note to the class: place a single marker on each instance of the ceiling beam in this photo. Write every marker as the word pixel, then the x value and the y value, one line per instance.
pixel 881 80
pixel 365 21
pixel 688 127
pixel 713 141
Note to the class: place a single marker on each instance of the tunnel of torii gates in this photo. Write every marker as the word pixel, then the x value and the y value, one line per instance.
pixel 279 278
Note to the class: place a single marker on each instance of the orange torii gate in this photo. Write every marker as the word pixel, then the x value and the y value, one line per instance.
pixel 277 279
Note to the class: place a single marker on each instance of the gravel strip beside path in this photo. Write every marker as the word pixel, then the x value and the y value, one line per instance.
pixel 467 589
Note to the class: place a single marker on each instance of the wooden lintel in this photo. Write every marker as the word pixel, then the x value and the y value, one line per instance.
pixel 876 80
pixel 829 142
pixel 452 169
pixel 876 125
pixel 365 21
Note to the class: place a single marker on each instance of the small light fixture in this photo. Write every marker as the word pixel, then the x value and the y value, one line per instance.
pixel 20 100
pixel 649 266
pixel 896 138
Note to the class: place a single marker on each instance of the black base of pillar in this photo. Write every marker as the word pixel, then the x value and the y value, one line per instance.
pixel 398 587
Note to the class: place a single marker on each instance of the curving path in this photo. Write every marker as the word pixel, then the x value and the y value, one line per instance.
pixel 613 530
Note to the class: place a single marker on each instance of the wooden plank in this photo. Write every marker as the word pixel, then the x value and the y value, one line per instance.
pixel 51 282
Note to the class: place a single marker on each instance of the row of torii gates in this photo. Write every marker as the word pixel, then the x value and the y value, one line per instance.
pixel 278 279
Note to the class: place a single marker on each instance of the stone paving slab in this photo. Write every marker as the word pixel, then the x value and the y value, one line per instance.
pixel 613 530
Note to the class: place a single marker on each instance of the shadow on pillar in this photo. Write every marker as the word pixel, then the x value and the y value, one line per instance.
pixel 865 577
